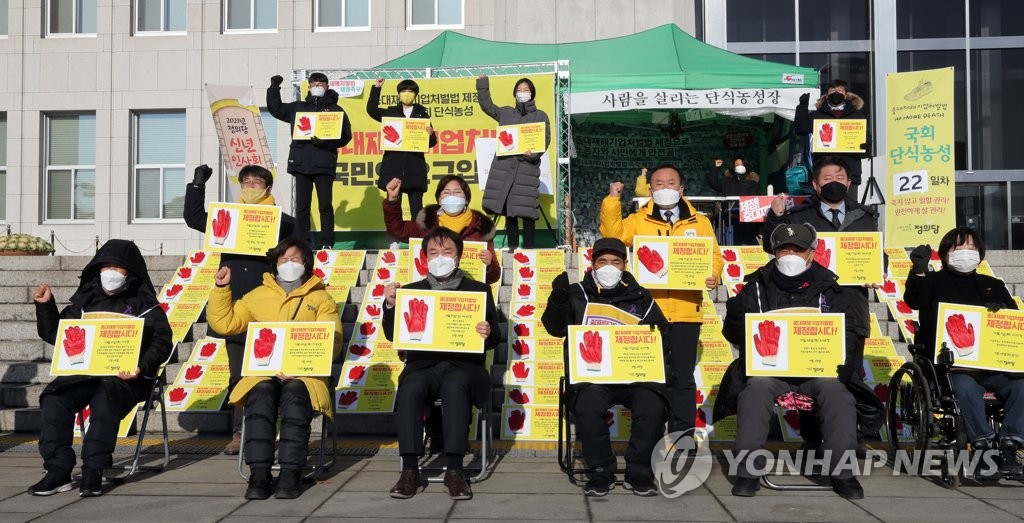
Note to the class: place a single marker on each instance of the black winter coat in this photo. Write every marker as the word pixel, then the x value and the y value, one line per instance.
pixel 137 299
pixel 410 167
pixel 803 124
pixel 303 156
pixel 731 184
pixel 858 218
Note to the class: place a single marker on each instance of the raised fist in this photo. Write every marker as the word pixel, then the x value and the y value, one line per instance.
pixel 223 276
pixel 378 83
pixel 615 189
pixel 43 293
pixel 805 99
pixel 276 80
pixel 201 175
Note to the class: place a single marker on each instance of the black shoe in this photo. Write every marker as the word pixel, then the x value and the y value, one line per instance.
pixel 92 483
pixel 1010 465
pixel 458 488
pixel 601 482
pixel 259 483
pixel 746 487
pixel 53 482
pixel 640 485
pixel 409 483
pixel 289 484
pixel 848 488
pixel 984 472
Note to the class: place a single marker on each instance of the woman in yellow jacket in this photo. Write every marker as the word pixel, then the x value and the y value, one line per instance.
pixel 289 292
pixel 668 214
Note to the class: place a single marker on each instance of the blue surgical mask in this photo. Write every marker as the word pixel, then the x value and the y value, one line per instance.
pixel 453 204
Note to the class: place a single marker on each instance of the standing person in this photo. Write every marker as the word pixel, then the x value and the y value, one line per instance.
pixel 609 283
pixel 116 281
pixel 738 180
pixel 312 162
pixel 837 103
pixel 961 250
pixel 513 185
pixel 460 380
pixel 409 167
pixel 669 214
pixel 290 292
pixel 256 183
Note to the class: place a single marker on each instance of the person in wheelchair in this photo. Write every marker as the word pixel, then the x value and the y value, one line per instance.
pixel 290 292
pixel 961 250
pixel 460 380
pixel 114 281
pixel 793 279
pixel 609 283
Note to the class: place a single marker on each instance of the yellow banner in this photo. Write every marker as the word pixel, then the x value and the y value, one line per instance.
pixel 238 228
pixel 672 262
pixel 405 134
pixel 919 145
pixel 795 345
pixel 856 257
pixel 520 139
pixel 615 354
pixel 439 320
pixel 840 136
pixel 99 347
pixel 981 339
pixel 325 125
pixel 291 348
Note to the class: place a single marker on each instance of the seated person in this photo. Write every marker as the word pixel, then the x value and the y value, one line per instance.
pixel 793 279
pixel 609 283
pixel 451 212
pixel 290 292
pixel 459 379
pixel 961 250
pixel 114 281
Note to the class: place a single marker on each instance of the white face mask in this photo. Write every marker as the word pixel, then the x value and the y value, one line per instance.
pixel 791 264
pixel 666 197
pixel 523 96
pixel 290 271
pixel 608 276
pixel 964 260
pixel 739 169
pixel 453 204
pixel 317 91
pixel 441 266
pixel 112 280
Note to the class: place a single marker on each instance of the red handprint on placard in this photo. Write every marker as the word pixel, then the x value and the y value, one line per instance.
pixel 356 373
pixel 176 395
pixel 793 420
pixel 359 350
pixel 173 290
pixel 348 398
pixel 935 255
pixel 521 257
pixel 165 307
pixel 961 334
pixel 367 328
pixel 911 326
pixel 521 348
pixel 702 419
pixel 903 308
pixel 882 391
pixel 319 273
pixel 826 133
pixel 737 288
pixel 378 291
pixel 729 255
pixel 82 418
pixel 526 273
pixel 733 270
pixel 521 329
pixel 304 126
pixel 193 373
pixel 373 310
pixel 416 319
pixel 516 420
pixel 609 418
pixel 506 140
pixel 197 258
pixel 589 255
pixel 523 290
pixel 590 350
pixel 185 273
pixel 323 256
pixel 766 342
pixel 520 370
pixel 74 345
pixel 383 274
pixel 652 261
pixel 822 255
pixel 699 397
pixel 519 396
pixel 391 135
pixel 889 287
pixel 525 311
pixel 207 350
pixel 263 346
pixel 421 263
pixel 221 226
pixel 388 257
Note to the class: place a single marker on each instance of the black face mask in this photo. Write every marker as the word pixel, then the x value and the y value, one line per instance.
pixel 836 98
pixel 833 192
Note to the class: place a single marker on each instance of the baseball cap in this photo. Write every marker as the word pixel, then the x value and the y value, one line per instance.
pixel 801 235
pixel 609 245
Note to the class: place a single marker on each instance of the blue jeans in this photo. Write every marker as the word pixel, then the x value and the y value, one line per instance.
pixel 969 390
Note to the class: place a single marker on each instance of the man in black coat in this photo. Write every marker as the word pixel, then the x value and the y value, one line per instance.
pixel 838 103
pixel 460 380
pixel 312 162
pixel 408 166
pixel 608 283
pixel 793 279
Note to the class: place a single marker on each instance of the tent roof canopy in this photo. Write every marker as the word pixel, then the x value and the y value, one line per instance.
pixel 664 57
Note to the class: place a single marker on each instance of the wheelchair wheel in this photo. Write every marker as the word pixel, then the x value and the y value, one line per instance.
pixel 908 417
pixel 957 447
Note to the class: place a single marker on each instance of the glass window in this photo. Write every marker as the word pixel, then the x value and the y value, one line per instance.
pixel 997 18
pixel 159 165
pixel 432 13
pixel 996 79
pixel 70 16
pixel 3 20
pixel 70 166
pixel 269 127
pixel 787 58
pixel 760 21
pixel 250 15
pixel 1017 214
pixel 929 18
pixel 982 207
pixel 846 20
pixel 855 68
pixel 154 16
pixel 336 14
pixel 3 165
pixel 921 60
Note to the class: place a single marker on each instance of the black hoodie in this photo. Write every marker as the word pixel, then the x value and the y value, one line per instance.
pixel 303 156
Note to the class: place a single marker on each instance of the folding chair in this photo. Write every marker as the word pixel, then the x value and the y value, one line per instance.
pixel 435 474
pixel 566 460
pixel 766 479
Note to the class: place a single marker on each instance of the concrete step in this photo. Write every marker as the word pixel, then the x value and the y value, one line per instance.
pixel 18 330
pixel 17 312
pixel 26 350
pixel 25 372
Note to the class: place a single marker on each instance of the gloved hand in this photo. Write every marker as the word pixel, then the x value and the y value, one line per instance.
pixel 201 175
pixel 276 81
pixel 845 373
pixel 920 257
pixel 317 142
pixel 805 99
pixel 560 288
pixel 994 306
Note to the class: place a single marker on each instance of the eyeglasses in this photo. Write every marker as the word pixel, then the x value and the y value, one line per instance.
pixel 258 183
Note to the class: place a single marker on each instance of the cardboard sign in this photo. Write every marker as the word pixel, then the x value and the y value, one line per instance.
pixel 97 347
pixel 788 345
pixel 856 257
pixel 291 348
pixel 325 125
pixel 238 228
pixel 672 262
pixel 615 354
pixel 439 320
pixel 840 136
pixel 520 139
pixel 981 339
pixel 405 134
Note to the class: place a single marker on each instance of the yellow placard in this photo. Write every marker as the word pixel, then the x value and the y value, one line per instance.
pixel 291 348
pixel 714 351
pixel 84 417
pixel 540 348
pixel 604 314
pixel 439 320
pixel 672 262
pixel 349 400
pixel 532 423
pixel 856 257
pixel 516 395
pixel 981 339
pixel 209 350
pixel 98 347
pixel 534 373
pixel 180 398
pixel 238 228
pixel 181 316
pixel 325 125
pixel 520 139
pixel 405 134
pixel 615 354
pixel 840 135
pixel 795 345
pixel 370 375
pixel 185 293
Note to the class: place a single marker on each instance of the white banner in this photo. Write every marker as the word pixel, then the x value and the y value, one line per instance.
pixel 732 102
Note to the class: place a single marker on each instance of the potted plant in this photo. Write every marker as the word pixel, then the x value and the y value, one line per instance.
pixel 24 245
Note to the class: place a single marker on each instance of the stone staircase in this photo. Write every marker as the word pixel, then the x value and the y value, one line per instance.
pixel 25 359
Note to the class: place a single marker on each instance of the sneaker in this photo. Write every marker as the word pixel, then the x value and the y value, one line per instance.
pixel 53 482
pixel 458 488
pixel 92 483
pixel 641 486
pixel 408 485
pixel 848 488
pixel 746 487
pixel 289 484
pixel 235 445
pixel 601 482
pixel 1010 465
pixel 259 483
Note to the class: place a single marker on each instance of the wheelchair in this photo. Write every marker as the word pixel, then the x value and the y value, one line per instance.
pixel 922 406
